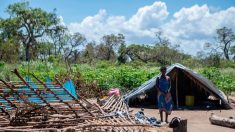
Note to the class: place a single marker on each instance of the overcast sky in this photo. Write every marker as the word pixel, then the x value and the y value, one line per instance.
pixel 189 23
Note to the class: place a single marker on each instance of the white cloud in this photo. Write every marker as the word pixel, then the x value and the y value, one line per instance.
pixel 149 16
pixel 92 26
pixel 142 24
pixel 198 25
pixel 191 26
pixel 61 21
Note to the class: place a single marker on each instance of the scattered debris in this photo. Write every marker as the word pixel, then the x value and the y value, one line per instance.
pixel 141 118
pixel 52 106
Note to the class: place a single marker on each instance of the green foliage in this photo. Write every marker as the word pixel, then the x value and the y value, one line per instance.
pixel 124 76
pixel 103 64
pixel 9 50
pixel 2 64
pixel 42 70
pixel 26 25
pixel 228 64
pixel 223 80
pixel 5 71
pixel 106 75
pixel 39 34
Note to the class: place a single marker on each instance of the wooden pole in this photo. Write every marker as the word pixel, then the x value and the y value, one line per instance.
pixel 177 100
pixel 8 101
pixel 4 111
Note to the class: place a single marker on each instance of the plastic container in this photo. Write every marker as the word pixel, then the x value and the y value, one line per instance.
pixel 189 100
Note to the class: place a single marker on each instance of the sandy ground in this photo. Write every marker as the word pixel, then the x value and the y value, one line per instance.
pixel 198 121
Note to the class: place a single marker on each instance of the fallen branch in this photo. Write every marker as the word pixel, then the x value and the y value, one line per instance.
pixel 221 121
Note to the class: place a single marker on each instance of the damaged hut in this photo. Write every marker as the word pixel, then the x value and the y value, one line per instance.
pixel 188 89
pixel 34 105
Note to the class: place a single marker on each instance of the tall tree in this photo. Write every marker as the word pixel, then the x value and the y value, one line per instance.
pixel 57 37
pixel 225 37
pixel 9 51
pixel 44 50
pixel 89 52
pixel 161 40
pixel 162 43
pixel 73 41
pixel 143 53
pixel 111 43
pixel 122 56
pixel 28 24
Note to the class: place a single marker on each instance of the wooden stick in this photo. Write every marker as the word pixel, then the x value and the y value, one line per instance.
pixel 73 97
pixel 117 125
pixel 101 110
pixel 4 111
pixel 8 101
pixel 108 101
pixel 117 107
pixel 109 104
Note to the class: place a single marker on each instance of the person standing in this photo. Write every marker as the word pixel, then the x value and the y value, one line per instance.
pixel 163 85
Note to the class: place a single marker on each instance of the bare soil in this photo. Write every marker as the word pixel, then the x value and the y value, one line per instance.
pixel 197 120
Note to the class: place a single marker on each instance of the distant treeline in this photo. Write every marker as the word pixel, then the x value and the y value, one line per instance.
pixel 34 34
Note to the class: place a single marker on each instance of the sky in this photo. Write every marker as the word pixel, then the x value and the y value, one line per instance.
pixel 189 23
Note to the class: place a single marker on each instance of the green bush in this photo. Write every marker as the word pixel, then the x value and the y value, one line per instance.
pixel 107 75
pixel 124 76
pixel 227 64
pixel 224 81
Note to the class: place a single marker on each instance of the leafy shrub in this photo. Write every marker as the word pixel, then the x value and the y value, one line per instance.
pixel 224 81
pixel 2 64
pixel 105 75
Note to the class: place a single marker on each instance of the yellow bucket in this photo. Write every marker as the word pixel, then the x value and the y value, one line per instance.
pixel 189 100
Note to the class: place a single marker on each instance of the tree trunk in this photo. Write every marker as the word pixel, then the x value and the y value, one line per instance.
pixel 27 55
pixel 221 121
pixel 226 53
pixel 108 54
pixel 55 50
